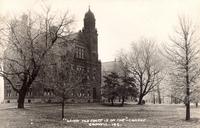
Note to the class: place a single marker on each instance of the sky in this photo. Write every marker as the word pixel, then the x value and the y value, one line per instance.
pixel 118 22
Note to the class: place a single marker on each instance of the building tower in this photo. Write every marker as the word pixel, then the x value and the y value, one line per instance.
pixel 90 33
pixel 90 36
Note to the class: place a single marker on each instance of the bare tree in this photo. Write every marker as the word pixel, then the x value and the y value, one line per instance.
pixel 145 66
pixel 28 42
pixel 183 54
pixel 63 76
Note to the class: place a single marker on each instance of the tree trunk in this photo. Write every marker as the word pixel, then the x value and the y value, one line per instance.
pixel 159 100
pixel 140 99
pixel 154 99
pixel 187 79
pixel 63 109
pixel 188 111
pixel 141 90
pixel 187 97
pixel 21 98
pixel 171 99
pixel 112 100
pixel 187 93
pixel 158 91
pixel 196 104
pixel 122 104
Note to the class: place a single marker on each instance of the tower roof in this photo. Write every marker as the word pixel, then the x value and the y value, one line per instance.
pixel 89 14
pixel 89 21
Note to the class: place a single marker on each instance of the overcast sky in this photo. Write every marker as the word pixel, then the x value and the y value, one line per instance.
pixel 119 22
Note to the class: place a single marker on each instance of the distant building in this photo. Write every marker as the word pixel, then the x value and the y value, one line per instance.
pixel 111 66
pixel 86 58
pixel 107 68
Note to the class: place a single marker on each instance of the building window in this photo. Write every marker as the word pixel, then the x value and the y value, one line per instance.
pixel 73 92
pixel 82 93
pixel 48 92
pixel 80 53
pixel 89 93
pixel 29 93
pixel 51 92
pixel 76 55
pixel 94 73
pixel 9 93
pixel 44 93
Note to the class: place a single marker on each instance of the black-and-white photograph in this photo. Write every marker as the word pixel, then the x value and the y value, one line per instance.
pixel 99 63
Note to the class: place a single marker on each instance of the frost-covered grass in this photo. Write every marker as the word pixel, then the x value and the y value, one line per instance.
pixel 49 116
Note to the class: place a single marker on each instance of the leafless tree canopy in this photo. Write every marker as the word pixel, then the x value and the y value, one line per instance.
pixel 183 54
pixel 144 65
pixel 29 41
pixel 63 77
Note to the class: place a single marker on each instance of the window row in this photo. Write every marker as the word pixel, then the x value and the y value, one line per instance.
pixel 48 92
pixel 80 53
pixel 9 94
pixel 81 93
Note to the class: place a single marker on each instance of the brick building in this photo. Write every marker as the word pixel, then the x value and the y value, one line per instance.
pixel 86 58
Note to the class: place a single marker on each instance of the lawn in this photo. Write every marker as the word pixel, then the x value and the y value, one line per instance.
pixel 93 115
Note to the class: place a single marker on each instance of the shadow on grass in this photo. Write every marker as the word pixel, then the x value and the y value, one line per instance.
pixel 192 120
pixel 116 105
pixel 16 109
